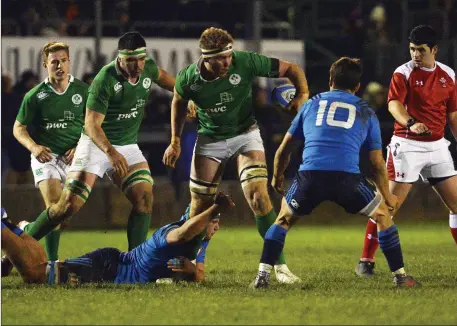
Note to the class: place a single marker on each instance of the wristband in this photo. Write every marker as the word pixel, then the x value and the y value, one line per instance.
pixel 410 123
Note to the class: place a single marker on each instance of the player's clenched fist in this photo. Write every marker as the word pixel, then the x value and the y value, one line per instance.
pixel 171 155
pixel 296 103
pixel 419 128
pixel 224 201
pixel 68 156
pixel 42 153
pixel 118 162
pixel 277 182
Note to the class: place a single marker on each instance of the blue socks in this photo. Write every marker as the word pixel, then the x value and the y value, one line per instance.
pixel 273 244
pixel 389 242
pixel 17 231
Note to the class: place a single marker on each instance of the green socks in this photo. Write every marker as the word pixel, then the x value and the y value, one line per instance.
pixel 52 245
pixel 41 227
pixel 137 228
pixel 263 224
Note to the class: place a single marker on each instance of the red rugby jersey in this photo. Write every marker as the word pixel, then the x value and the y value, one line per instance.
pixel 427 94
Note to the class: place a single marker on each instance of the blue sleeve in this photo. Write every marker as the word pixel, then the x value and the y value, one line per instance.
pixel 373 141
pixel 296 128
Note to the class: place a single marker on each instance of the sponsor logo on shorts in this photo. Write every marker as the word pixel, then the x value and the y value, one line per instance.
pixel 146 82
pixel 77 99
pixel 400 174
pixel 117 87
pixel 38 172
pixel 294 204
pixel 234 79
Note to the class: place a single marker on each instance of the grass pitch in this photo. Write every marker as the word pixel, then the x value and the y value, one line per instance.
pixel 324 257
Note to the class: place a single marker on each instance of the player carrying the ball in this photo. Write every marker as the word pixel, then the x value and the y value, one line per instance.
pixel 220 85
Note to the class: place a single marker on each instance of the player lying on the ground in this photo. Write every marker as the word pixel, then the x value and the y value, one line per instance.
pixel 170 249
pixel 334 126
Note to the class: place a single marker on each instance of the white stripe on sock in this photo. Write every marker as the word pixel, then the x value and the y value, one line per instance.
pixel 453 221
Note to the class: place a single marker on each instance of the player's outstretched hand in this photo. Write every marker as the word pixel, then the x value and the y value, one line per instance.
pixel 295 104
pixel 171 155
pixel 119 163
pixel 420 129
pixel 277 182
pixel 224 201
pixel 392 203
pixel 42 153
pixel 68 156
pixel 181 264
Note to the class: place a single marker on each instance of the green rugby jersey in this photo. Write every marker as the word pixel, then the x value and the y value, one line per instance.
pixel 225 104
pixel 57 118
pixel 121 102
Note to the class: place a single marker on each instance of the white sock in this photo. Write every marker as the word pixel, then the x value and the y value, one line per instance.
pixel 400 271
pixel 453 221
pixel 265 268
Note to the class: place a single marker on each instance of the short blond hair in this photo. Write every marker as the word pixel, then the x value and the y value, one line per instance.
pixel 215 38
pixel 52 47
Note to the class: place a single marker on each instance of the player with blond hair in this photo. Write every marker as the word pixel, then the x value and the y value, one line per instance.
pixel 55 109
pixel 108 144
pixel 220 85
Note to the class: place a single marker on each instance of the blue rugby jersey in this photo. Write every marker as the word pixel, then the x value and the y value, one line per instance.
pixel 334 126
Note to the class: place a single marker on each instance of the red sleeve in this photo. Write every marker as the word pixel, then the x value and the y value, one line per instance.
pixel 398 88
pixel 452 102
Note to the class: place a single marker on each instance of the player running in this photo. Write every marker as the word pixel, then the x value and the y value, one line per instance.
pixel 169 250
pixel 334 126
pixel 108 144
pixel 55 110
pixel 422 98
pixel 220 85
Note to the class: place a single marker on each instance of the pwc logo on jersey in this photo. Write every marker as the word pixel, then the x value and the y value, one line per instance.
pixel 139 105
pixel 56 125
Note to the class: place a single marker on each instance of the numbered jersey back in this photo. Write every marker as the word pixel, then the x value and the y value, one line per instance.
pixel 335 125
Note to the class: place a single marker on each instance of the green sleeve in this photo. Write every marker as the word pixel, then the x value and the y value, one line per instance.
pixel 27 110
pixel 263 66
pixel 99 94
pixel 181 85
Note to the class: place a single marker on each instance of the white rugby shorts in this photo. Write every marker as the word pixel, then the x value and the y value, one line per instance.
pixel 89 158
pixel 222 150
pixel 408 159
pixel 54 169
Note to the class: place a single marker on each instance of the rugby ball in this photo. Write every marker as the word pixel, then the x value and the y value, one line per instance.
pixel 282 95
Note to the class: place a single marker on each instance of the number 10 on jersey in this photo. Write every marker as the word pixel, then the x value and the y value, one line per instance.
pixel 331 114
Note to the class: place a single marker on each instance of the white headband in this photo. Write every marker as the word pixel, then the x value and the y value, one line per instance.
pixel 214 52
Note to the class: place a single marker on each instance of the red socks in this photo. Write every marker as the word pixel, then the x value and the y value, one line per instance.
pixel 370 244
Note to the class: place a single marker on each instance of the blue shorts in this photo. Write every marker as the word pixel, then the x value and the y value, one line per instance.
pixel 97 266
pixel 349 190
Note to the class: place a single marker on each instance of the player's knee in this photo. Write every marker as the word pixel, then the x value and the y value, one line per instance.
pixel 142 203
pixel 259 202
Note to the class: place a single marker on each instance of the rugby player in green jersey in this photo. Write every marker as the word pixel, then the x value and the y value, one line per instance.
pixel 220 85
pixel 108 144
pixel 55 108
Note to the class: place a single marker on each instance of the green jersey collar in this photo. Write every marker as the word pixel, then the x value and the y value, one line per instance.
pixel 48 82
